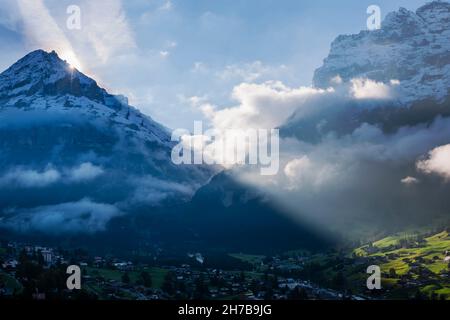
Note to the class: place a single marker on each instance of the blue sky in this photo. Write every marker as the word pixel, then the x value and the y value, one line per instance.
pixel 169 57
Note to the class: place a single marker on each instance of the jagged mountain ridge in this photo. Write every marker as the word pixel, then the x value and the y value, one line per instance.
pixel 412 47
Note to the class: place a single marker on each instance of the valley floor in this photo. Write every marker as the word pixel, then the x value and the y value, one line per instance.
pixel 413 266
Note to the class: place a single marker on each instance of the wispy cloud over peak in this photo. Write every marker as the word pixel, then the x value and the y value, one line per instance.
pixel 42 31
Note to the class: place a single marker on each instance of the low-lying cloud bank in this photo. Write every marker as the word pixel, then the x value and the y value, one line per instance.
pixel 31 178
pixel 270 104
pixel 84 216
pixel 360 174
pixel 150 191
pixel 28 178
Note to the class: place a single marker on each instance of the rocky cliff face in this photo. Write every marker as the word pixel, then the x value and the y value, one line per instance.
pixel 412 47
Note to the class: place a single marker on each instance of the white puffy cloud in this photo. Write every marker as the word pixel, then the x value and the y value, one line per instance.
pixel 296 167
pixel 408 181
pixel 302 173
pixel 369 89
pixel 260 109
pixel 438 162
pixel 270 104
pixel 309 173
pixel 266 105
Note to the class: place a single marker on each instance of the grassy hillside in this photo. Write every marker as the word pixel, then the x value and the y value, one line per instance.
pixel 410 262
pixel 157 275
pixel 250 258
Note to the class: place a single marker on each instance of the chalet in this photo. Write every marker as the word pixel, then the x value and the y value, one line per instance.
pixel 48 256
pixel 10 264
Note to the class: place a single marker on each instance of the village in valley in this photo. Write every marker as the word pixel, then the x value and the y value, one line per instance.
pixel 412 268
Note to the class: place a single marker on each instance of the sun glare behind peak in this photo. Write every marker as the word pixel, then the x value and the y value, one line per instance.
pixel 72 60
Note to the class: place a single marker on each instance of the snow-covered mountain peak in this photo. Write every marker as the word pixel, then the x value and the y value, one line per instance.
pixel 40 60
pixel 412 47
pixel 41 72
pixel 41 81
